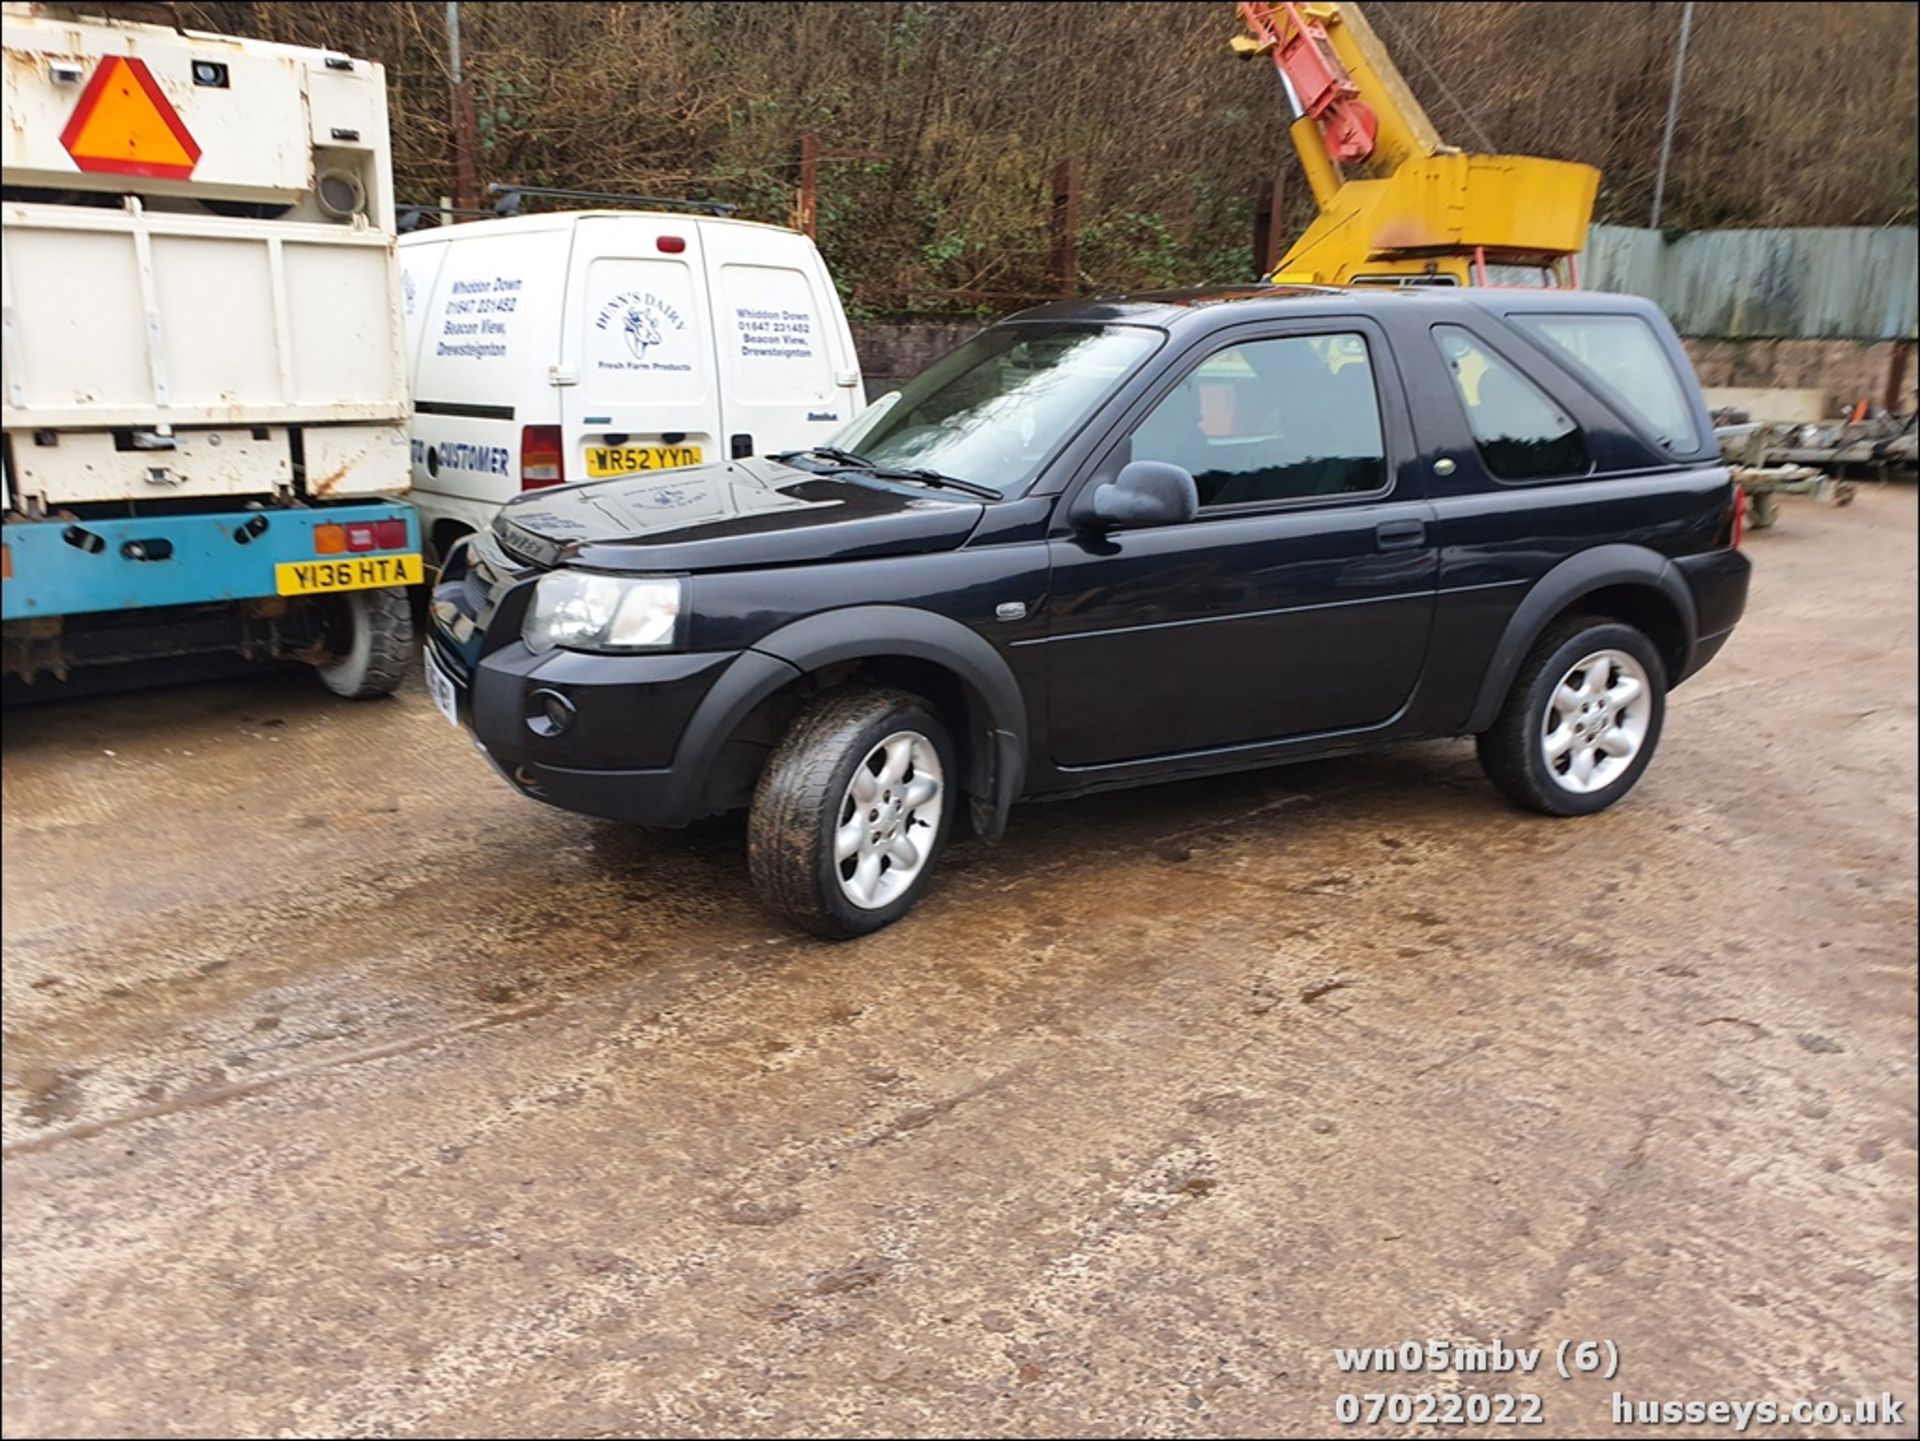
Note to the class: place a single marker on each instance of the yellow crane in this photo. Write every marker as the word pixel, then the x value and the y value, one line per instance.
pixel 1397 205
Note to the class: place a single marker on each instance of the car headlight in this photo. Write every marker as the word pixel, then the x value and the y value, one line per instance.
pixel 580 611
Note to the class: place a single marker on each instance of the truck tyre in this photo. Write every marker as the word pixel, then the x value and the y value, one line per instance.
pixel 1581 721
pixel 372 642
pixel 852 811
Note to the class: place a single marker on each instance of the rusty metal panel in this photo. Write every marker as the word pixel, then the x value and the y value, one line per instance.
pixel 1846 284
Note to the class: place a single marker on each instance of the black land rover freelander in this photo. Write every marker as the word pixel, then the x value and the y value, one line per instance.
pixel 1108 542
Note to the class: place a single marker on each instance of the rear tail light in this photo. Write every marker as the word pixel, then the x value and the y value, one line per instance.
pixel 1739 514
pixel 541 461
pixel 357 536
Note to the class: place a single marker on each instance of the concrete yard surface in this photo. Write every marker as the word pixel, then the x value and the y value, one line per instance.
pixel 348 1091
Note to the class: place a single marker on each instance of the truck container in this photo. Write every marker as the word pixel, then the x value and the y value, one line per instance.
pixel 205 405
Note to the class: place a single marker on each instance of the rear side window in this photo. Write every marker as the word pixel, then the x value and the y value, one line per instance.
pixel 1521 433
pixel 1622 351
pixel 1272 420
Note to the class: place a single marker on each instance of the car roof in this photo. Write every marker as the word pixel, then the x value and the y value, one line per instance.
pixel 562 219
pixel 1259 300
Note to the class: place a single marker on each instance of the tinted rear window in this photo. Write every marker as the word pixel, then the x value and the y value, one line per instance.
pixel 1521 432
pixel 1623 353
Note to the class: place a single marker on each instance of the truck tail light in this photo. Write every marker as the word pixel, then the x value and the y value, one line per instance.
pixel 1739 514
pixel 541 461
pixel 359 535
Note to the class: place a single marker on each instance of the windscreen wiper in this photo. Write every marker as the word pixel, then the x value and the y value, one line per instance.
pixel 827 452
pixel 847 459
pixel 935 478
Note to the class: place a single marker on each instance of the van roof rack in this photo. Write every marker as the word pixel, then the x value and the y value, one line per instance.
pixel 511 197
pixel 409 214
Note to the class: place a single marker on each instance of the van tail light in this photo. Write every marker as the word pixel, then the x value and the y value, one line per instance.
pixel 1739 514
pixel 541 461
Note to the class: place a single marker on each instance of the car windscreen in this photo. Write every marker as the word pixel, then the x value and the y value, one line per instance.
pixel 993 411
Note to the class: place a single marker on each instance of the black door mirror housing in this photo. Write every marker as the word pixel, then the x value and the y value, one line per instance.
pixel 1144 493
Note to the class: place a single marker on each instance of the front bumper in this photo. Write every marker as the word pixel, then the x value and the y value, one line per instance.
pixel 641 735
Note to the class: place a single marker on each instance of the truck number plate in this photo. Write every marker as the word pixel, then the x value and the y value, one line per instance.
pixel 604 460
pixel 440 687
pixel 360 572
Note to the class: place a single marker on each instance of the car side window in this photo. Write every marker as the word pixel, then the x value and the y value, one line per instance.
pixel 1623 352
pixel 1271 420
pixel 1521 432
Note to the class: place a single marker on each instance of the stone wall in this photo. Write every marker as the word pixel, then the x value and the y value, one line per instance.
pixel 894 351
pixel 1846 370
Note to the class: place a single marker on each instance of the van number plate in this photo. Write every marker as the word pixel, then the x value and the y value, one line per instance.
pixel 603 460
pixel 364 572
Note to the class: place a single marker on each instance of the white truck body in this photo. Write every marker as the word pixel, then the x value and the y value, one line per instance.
pixel 258 353
pixel 204 401
pixel 614 341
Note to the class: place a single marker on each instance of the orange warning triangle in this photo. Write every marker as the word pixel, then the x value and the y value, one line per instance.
pixel 124 125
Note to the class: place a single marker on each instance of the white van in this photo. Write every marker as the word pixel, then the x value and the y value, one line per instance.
pixel 550 348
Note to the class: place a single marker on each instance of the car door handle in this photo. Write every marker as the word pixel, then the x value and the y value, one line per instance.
pixel 1400 534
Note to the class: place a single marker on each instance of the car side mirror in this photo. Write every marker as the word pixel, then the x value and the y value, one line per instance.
pixel 1144 493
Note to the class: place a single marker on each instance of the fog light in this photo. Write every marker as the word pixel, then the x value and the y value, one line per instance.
pixel 548 712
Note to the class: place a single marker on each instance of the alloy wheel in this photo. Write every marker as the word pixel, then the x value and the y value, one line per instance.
pixel 1596 721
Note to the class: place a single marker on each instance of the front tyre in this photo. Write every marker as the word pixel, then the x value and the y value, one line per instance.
pixel 1582 720
pixel 852 811
pixel 369 640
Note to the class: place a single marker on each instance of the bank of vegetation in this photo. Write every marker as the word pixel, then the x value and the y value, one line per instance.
pixel 1793 114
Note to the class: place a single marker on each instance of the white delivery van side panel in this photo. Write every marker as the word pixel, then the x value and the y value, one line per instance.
pixel 487 338
pixel 638 347
pixel 787 368
pixel 420 262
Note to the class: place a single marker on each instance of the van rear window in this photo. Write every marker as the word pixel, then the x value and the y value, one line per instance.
pixel 1625 356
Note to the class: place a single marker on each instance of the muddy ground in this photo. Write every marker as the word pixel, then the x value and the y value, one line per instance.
pixel 348 1091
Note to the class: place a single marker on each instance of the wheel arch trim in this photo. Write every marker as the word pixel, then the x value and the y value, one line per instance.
pixel 1580 575
pixel 997 716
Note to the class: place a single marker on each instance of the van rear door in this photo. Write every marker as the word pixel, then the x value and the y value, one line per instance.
pixel 637 349
pixel 788 375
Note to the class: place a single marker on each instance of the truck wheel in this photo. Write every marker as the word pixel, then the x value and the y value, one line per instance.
pixel 852 811
pixel 370 633
pixel 1582 720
